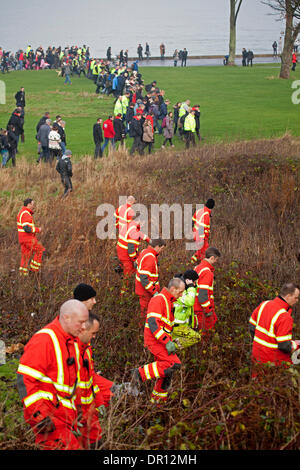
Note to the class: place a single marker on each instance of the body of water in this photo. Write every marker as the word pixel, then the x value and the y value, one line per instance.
pixel 199 25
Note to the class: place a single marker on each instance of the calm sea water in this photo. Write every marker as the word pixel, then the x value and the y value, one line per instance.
pixel 201 26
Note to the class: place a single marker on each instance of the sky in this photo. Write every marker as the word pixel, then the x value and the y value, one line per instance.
pixel 201 25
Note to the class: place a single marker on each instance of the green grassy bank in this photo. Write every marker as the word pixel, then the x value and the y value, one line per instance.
pixel 236 103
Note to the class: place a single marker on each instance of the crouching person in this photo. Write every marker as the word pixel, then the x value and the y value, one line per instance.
pixel 184 320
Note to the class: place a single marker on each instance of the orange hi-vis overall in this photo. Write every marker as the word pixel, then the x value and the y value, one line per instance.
pixel 93 391
pixel 157 333
pixel 204 312
pixel 201 231
pixel 123 215
pixel 146 278
pixel 30 247
pixel 47 377
pixel 273 325
pixel 130 237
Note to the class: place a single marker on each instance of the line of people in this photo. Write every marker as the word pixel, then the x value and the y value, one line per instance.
pixel 40 59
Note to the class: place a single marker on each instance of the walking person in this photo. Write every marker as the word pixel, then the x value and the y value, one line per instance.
pixel 146 279
pixel 168 130
pixel 294 61
pixel 175 57
pixel 109 134
pixel 184 57
pixel 204 307
pixel 250 57
pixel 148 134
pixel 17 121
pixel 43 139
pixel 244 57
pixel 30 247
pixel 158 340
pixel 189 128
pixel 136 131
pixel 67 68
pixel 54 143
pixel 64 168
pixel 12 144
pixel 120 132
pixel 98 138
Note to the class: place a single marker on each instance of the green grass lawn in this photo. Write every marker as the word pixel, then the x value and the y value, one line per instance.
pixel 236 103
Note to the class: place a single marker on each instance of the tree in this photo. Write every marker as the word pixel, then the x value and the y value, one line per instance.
pixel 290 10
pixel 235 6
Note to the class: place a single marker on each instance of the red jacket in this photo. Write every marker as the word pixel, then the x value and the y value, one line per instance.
pixel 273 326
pixel 146 279
pixel 160 319
pixel 206 282
pixel 201 227
pixel 130 237
pixel 150 118
pixel 123 215
pixel 108 129
pixel 25 224
pixel 46 383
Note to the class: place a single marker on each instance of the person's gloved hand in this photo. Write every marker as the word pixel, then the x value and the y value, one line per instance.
pixel 171 347
pixel 102 411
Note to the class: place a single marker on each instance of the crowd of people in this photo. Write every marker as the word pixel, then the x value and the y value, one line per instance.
pixel 139 112
pixel 39 59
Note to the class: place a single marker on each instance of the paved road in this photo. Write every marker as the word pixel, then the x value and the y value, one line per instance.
pixel 203 62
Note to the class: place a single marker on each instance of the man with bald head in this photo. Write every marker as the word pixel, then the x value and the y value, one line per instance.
pixel 47 379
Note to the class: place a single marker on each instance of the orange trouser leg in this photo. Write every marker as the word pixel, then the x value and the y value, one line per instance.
pixel 161 369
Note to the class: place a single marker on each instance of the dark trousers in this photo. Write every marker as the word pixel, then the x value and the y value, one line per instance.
pixel 67 183
pixel 45 153
pixel 189 138
pixel 137 145
pixel 146 144
pixel 168 140
pixel 98 151
pixel 12 156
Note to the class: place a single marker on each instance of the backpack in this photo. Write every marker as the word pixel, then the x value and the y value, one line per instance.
pixel 164 122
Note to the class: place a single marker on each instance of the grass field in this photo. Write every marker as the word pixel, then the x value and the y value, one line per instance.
pixel 236 103
pixel 214 404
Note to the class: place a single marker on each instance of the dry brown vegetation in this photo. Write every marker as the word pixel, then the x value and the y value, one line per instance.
pixel 214 404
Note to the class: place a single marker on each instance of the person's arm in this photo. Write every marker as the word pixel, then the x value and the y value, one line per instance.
pixel 283 333
pixel 28 224
pixel 35 388
pixel 205 285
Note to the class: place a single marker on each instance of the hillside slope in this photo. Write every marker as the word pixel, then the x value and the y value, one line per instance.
pixel 214 403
